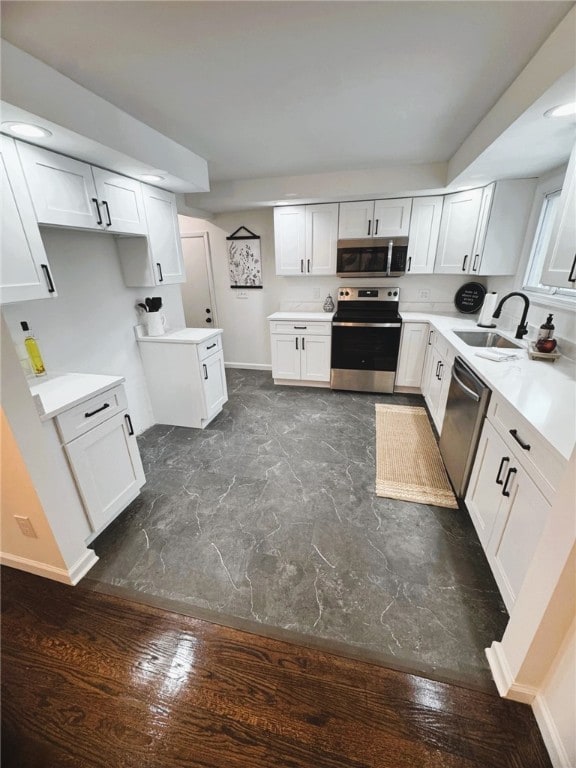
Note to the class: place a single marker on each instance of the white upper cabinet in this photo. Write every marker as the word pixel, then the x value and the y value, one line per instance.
pixel 24 269
pixel 560 265
pixel 423 234
pixel 374 218
pixel 120 202
pixel 305 238
pixel 156 260
pixel 482 230
pixel 457 231
pixel 70 193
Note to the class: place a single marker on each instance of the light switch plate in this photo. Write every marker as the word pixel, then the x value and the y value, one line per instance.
pixel 424 294
pixel 241 294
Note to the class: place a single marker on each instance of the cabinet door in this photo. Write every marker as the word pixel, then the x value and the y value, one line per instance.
pixel 444 374
pixel 321 238
pixel 484 496
pixel 62 189
pixel 412 353
pixel 24 270
pixel 163 236
pixel 120 199
pixel 315 358
pixel 392 217
pixel 214 384
pixel 356 220
pixel 427 373
pixel 516 533
pixel 457 231
pixel 107 467
pixel 560 266
pixel 424 232
pixel 290 239
pixel 285 356
pixel 434 384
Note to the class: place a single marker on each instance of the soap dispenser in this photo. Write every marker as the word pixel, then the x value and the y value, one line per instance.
pixel 546 341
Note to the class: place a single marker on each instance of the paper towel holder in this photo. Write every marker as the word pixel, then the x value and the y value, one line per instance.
pixel 494 300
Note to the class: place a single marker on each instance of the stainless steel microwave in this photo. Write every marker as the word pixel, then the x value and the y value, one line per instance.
pixel 377 257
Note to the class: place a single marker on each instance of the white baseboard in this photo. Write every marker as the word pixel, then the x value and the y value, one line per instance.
pixel 502 675
pixel 64 576
pixel 552 739
pixel 250 366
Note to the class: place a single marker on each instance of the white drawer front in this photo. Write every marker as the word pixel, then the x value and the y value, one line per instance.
pixel 540 460
pixel 302 328
pixel 209 347
pixel 88 414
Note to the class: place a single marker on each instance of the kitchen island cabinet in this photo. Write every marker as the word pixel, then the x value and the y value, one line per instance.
pixel 185 375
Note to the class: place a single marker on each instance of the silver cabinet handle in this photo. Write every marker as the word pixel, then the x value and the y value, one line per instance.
pixel 466 389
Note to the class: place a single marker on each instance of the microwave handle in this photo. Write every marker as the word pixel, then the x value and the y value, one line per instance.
pixel 389 259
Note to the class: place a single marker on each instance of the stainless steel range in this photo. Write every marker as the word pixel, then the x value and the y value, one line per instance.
pixel 366 339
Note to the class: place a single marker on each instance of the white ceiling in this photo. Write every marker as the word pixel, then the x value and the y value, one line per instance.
pixel 272 89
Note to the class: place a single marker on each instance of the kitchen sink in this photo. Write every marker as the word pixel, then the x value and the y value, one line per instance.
pixel 486 339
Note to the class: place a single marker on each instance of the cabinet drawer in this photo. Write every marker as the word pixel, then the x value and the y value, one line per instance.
pixel 302 328
pixel 209 347
pixel 88 414
pixel 541 461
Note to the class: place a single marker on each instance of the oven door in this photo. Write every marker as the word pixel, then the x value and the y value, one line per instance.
pixel 364 356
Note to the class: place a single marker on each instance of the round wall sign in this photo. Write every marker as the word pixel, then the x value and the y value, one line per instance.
pixel 469 297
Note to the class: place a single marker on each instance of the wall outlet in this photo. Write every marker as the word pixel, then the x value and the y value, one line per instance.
pixel 241 294
pixel 424 294
pixel 315 293
pixel 26 526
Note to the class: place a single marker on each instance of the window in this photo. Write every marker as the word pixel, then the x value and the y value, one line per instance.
pixel 533 279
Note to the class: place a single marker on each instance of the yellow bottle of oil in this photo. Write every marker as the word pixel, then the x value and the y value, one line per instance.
pixel 33 351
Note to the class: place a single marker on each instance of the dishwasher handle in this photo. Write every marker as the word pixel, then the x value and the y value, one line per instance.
pixel 470 392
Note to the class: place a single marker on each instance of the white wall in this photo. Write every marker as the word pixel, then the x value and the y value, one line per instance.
pixel 88 328
pixel 246 334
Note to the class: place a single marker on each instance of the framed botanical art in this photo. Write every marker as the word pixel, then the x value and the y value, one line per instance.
pixel 244 259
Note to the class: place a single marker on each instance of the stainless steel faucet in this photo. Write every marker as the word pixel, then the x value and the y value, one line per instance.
pixel 522 329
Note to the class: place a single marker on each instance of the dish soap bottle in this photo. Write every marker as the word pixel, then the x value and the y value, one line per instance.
pixel 33 351
pixel 546 341
pixel 328 305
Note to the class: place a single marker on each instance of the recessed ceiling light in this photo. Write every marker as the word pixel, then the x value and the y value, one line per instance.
pixel 28 130
pixel 563 110
pixel 151 177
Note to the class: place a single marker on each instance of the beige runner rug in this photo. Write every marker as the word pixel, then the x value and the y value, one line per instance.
pixel 408 463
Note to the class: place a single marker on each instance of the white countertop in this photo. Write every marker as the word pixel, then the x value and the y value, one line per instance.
pixel 183 336
pixel 301 317
pixel 56 393
pixel 543 392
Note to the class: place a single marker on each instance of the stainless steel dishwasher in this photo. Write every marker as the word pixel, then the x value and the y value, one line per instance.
pixel 468 398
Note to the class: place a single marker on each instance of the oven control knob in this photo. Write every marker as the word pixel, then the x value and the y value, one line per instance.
pixel 389 293
pixel 395 293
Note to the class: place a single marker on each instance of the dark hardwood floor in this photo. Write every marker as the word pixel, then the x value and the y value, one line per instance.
pixel 93 680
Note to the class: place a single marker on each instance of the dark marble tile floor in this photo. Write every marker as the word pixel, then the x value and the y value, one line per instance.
pixel 268 520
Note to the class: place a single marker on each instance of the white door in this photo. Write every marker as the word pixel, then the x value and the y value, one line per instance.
pixel 457 232
pixel 321 238
pixel 198 290
pixel 285 356
pixel 163 235
pixel 62 189
pixel 356 220
pixel 484 495
pixel 315 358
pixel 121 203
pixel 107 467
pixel 24 269
pixel 290 240
pixel 392 217
pixel 412 353
pixel 423 236
pixel 214 384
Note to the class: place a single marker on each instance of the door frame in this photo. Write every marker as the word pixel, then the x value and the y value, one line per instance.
pixel 205 235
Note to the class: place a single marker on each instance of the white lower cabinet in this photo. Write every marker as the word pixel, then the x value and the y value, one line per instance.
pixel 99 441
pixel 106 464
pixel 436 377
pixel 508 511
pixel 185 375
pixel 301 351
pixel 412 354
